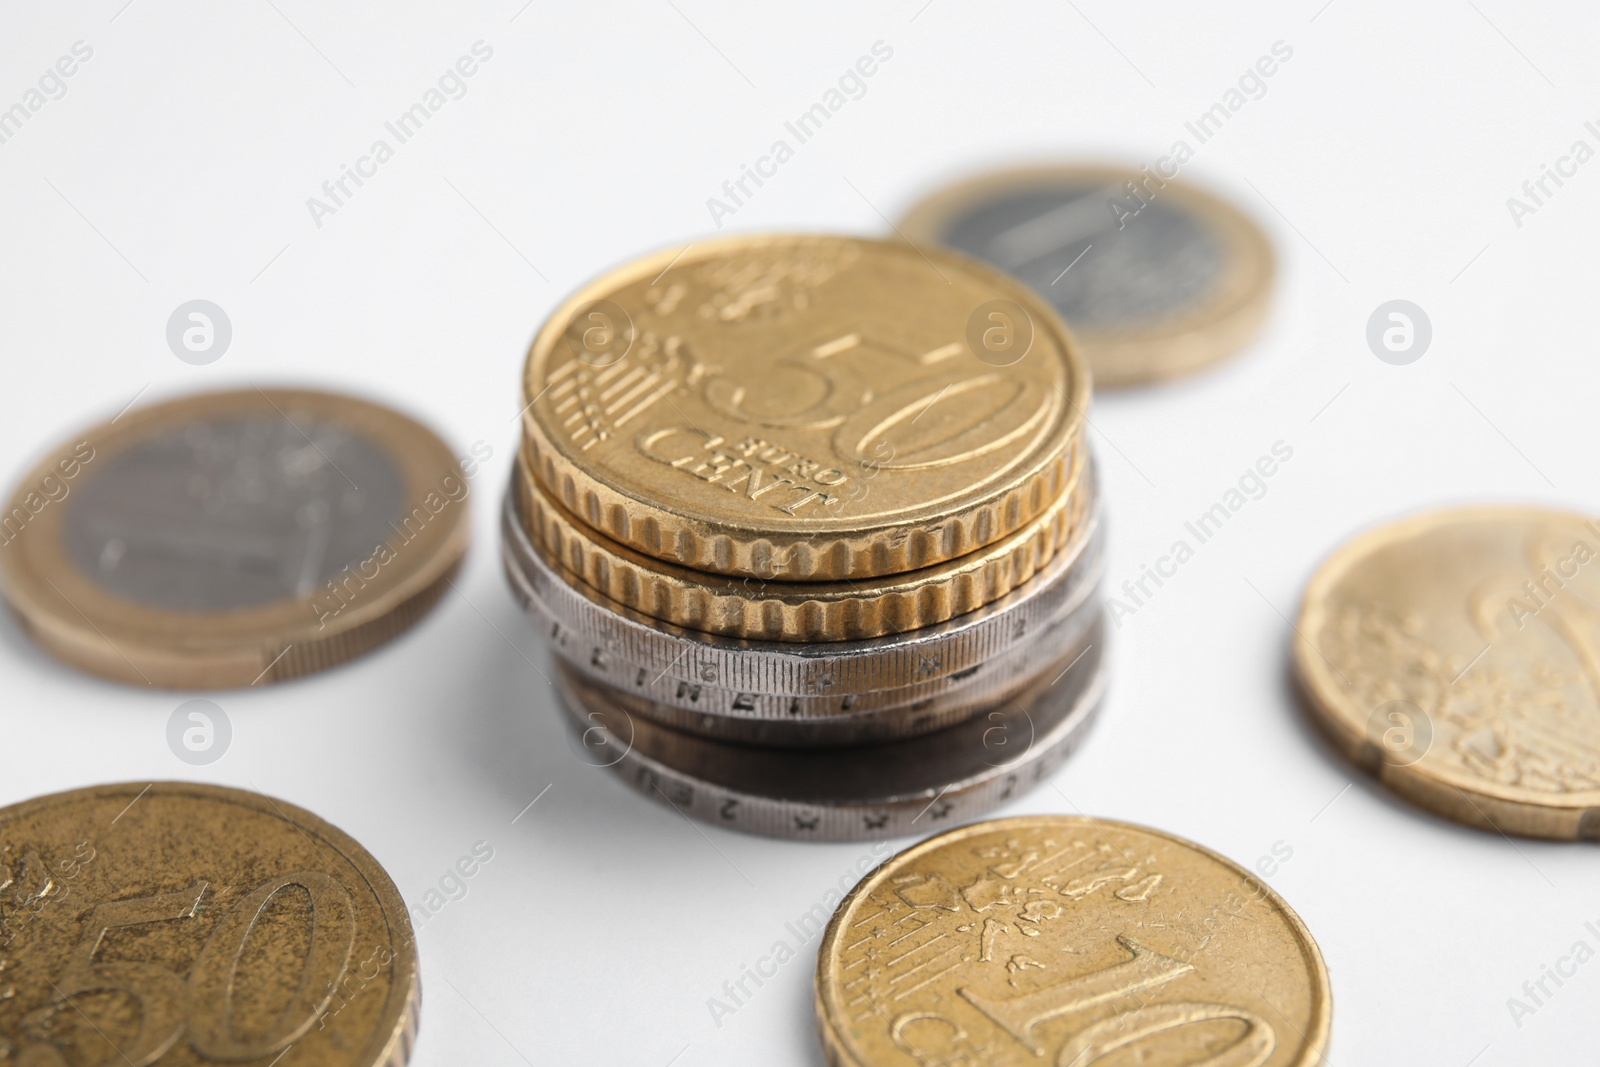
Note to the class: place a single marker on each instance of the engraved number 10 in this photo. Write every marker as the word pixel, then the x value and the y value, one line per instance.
pixel 1019 1015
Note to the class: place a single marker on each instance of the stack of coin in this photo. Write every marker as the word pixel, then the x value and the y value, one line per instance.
pixel 811 525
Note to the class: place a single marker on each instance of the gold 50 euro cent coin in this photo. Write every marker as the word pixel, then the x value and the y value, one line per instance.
pixel 231 538
pixel 803 407
pixel 190 924
pixel 1065 940
pixel 1456 655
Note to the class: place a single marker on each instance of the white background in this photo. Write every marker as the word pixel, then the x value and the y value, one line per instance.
pixel 178 166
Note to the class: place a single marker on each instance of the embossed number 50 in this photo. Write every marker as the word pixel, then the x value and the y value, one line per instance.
pixel 204 1002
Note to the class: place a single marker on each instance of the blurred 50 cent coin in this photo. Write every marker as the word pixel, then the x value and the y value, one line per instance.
pixel 190 924
pixel 231 538
pixel 1154 277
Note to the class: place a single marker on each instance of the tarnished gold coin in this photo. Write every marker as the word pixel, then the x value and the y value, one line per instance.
pixel 1456 655
pixel 804 611
pixel 192 924
pixel 1155 278
pixel 803 407
pixel 232 538
pixel 1052 939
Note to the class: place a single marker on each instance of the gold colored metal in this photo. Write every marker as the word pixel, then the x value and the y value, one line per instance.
pixel 280 531
pixel 192 924
pixel 1053 939
pixel 802 611
pixel 1194 334
pixel 805 408
pixel 1456 656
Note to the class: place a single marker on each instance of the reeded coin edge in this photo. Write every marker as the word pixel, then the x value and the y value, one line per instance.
pixel 1474 802
pixel 559 598
pixel 707 698
pixel 1314 1037
pixel 1183 343
pixel 796 611
pixel 831 549
pixel 395 1038
pixel 92 629
pixel 901 715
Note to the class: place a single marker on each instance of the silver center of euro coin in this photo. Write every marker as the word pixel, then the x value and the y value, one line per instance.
pixel 1102 269
pixel 233 512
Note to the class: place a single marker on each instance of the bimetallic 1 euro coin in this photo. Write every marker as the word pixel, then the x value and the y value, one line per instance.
pixel 231 538
pixel 1154 277
pixel 806 408
pixel 848 794
pixel 774 610
pixel 187 924
pixel 571 613
pixel 1456 655
pixel 1062 940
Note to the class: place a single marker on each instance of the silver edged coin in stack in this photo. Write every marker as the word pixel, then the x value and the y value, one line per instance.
pixel 812 529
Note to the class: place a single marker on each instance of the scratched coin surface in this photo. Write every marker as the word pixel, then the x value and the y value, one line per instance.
pixel 1456 655
pixel 1154 277
pixel 234 537
pixel 1062 940
pixel 803 407
pixel 181 924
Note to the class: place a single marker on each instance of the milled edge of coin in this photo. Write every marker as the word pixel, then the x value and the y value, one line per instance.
pixel 887 715
pixel 1217 328
pixel 788 668
pixel 962 796
pixel 822 719
pixel 800 611
pixel 395 1038
pixel 90 628
pixel 1486 806
pixel 833 549
pixel 1315 1042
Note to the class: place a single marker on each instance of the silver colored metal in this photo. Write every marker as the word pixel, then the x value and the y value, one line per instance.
pixel 1132 270
pixel 864 792
pixel 855 718
pixel 233 511
pixel 576 618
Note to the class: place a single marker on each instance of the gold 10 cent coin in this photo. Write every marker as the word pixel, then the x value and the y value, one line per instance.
pixel 803 408
pixel 1155 277
pixel 1456 655
pixel 1064 940
pixel 191 924
pixel 232 538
